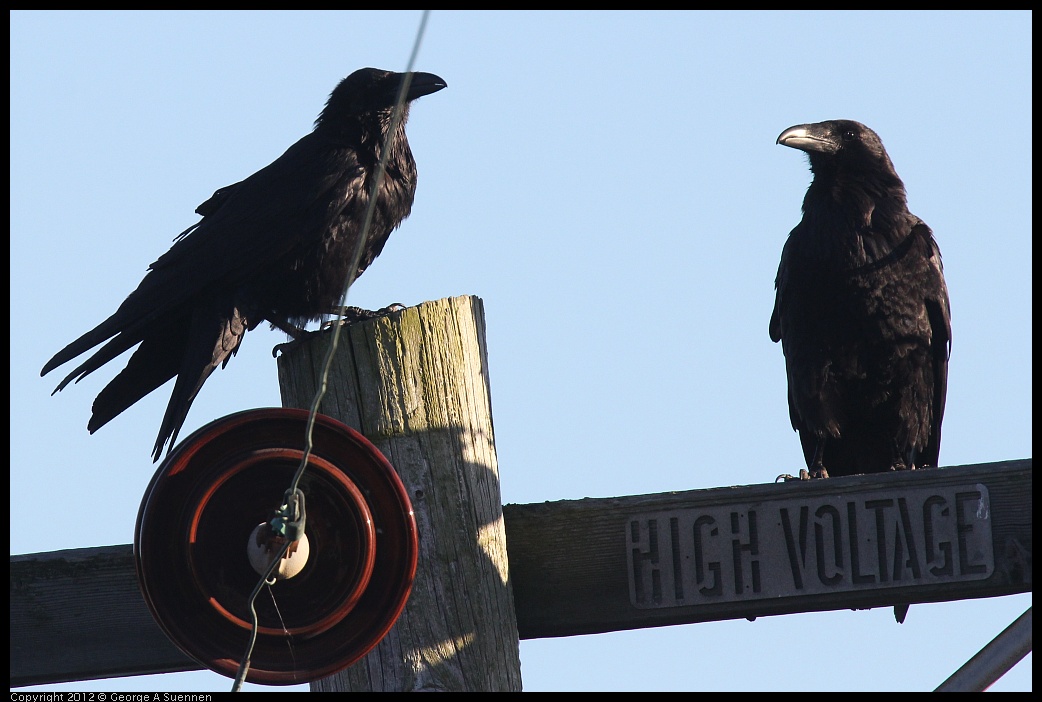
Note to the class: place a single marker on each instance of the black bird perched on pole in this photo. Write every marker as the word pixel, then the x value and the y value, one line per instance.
pixel 276 247
pixel 862 312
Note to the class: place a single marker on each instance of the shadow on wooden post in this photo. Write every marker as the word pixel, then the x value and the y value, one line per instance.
pixel 416 384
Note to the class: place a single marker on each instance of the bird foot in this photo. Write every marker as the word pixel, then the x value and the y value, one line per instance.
pixel 812 474
pixel 302 336
pixel 354 315
pixel 346 316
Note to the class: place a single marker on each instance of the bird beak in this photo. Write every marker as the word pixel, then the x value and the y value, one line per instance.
pixel 808 137
pixel 424 84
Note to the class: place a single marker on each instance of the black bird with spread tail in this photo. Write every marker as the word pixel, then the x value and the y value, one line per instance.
pixel 275 247
pixel 861 311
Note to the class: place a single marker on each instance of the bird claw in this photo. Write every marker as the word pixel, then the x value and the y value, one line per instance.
pixel 304 335
pixel 353 315
pixel 815 474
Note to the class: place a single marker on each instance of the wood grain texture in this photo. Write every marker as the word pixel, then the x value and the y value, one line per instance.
pixel 416 384
pixel 78 614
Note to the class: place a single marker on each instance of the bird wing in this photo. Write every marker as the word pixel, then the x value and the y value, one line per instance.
pixel 938 312
pixel 184 312
pixel 245 228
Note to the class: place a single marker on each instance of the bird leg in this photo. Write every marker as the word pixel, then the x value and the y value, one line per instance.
pixel 297 333
pixel 818 471
pixel 913 462
pixel 817 468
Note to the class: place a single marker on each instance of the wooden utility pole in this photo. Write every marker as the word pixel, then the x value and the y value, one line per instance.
pixel 415 383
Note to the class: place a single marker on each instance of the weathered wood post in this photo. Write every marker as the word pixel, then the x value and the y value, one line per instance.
pixel 416 384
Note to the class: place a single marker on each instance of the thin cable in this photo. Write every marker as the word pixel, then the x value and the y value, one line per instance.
pixel 244 667
pixel 352 273
pixel 396 118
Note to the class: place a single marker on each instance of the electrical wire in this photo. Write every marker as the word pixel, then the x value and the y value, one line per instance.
pixel 352 273
pixel 286 515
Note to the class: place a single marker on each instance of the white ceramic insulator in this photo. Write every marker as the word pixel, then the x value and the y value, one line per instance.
pixel 260 556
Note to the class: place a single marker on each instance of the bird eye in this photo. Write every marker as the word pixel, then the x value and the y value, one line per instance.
pixel 849 135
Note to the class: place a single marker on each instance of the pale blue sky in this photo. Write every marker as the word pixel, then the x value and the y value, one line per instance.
pixel 609 185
